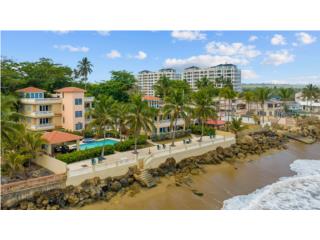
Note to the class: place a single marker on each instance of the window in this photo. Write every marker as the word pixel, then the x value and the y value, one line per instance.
pixel 78 126
pixel 44 108
pixel 78 101
pixel 32 95
pixel 63 119
pixel 44 121
pixel 62 107
pixel 78 113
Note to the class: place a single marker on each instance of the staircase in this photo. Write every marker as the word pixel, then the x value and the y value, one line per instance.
pixel 145 178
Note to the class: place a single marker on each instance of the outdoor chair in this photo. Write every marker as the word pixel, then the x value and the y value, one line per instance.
pixel 164 146
pixel 93 161
pixel 158 147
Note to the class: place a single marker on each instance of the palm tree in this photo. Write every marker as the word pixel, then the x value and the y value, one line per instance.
pixel 84 69
pixel 204 82
pixel 310 93
pixel 33 143
pixel 228 94
pixel 249 98
pixel 14 162
pixel 140 117
pixel 161 88
pixel 236 125
pixel 286 94
pixel 262 95
pixel 9 125
pixel 121 114
pixel 176 106
pixel 203 110
pixel 103 115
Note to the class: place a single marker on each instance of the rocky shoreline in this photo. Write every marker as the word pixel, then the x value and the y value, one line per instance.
pixel 96 189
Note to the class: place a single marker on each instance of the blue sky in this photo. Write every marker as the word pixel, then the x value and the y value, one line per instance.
pixel 263 56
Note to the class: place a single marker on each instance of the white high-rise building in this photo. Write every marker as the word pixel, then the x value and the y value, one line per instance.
pixel 227 71
pixel 146 79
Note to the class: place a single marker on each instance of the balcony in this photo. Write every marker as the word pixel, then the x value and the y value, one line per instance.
pixel 41 114
pixel 41 127
pixel 88 99
pixel 40 100
pixel 166 123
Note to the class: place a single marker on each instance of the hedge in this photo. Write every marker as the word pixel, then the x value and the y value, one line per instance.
pixel 196 129
pixel 129 143
pixel 84 154
pixel 168 135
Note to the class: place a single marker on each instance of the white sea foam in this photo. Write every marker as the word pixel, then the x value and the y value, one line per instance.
pixel 301 191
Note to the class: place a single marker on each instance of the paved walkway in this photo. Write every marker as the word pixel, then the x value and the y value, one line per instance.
pixel 129 158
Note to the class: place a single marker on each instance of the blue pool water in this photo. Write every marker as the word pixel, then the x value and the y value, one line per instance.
pixel 97 144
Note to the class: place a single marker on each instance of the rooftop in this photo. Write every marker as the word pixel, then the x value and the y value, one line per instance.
pixel 150 98
pixel 70 89
pixel 56 137
pixel 215 122
pixel 30 90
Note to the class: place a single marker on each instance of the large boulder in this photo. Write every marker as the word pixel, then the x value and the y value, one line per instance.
pixel 248 140
pixel 115 186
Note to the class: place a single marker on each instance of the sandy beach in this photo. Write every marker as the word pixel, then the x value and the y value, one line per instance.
pixel 218 183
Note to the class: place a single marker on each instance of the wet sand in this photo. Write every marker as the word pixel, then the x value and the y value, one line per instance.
pixel 218 183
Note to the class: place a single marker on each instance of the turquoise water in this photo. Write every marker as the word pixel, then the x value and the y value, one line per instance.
pixel 97 144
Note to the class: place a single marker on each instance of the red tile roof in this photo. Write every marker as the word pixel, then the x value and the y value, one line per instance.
pixel 56 137
pixel 215 122
pixel 151 98
pixel 70 89
pixel 30 90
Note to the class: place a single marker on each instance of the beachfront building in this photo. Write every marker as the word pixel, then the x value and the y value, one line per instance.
pixel 147 79
pixel 222 71
pixel 162 123
pixel 307 106
pixel 64 109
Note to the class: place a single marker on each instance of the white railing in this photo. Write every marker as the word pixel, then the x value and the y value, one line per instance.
pixel 88 99
pixel 40 100
pixel 104 165
pixel 41 114
pixel 42 127
pixel 185 147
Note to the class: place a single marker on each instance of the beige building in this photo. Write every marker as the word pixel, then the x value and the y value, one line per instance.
pixel 65 109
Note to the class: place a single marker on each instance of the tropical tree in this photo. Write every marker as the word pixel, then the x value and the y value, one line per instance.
pixel 9 117
pixel 140 117
pixel 121 114
pixel 175 106
pixel 103 115
pixel 286 94
pixel 249 97
pixel 236 125
pixel 14 162
pixel 228 94
pixel 203 107
pixel 310 93
pixel 33 143
pixel 84 69
pixel 162 86
pixel 262 95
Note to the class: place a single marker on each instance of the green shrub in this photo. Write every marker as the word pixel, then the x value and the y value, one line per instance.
pixel 84 154
pixel 196 129
pixel 129 143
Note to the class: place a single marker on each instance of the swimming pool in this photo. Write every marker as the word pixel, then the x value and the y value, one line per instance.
pixel 97 144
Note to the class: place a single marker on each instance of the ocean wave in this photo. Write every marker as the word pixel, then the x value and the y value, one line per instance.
pixel 301 191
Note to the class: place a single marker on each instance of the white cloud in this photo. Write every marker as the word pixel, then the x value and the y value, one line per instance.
pixel 278 57
pixel 249 74
pixel 113 54
pixel 294 44
pixel 203 61
pixel 305 38
pixel 188 35
pixel 233 49
pixel 61 32
pixel 71 48
pixel 253 38
pixel 141 55
pixel 104 33
pixel 278 39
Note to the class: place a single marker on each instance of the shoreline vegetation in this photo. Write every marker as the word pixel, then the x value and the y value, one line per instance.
pixel 96 189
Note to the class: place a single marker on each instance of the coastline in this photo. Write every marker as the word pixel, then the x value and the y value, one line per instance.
pixel 218 183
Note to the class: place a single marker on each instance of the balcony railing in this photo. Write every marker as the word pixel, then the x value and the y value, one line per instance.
pixel 88 99
pixel 40 100
pixel 42 114
pixel 42 127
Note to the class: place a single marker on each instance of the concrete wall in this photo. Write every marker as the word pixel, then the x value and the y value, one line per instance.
pixel 94 172
pixel 156 161
pixel 54 165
